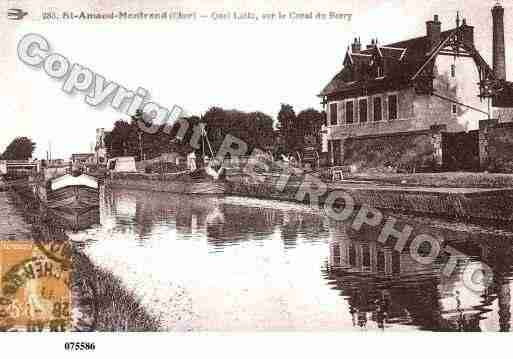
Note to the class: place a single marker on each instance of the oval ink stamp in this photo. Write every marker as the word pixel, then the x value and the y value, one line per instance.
pixel 38 292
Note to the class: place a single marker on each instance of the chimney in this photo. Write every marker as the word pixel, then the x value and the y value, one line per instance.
pixel 356 46
pixel 468 32
pixel 434 30
pixel 499 50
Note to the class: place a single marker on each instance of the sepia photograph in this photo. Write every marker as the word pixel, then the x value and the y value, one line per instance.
pixel 287 171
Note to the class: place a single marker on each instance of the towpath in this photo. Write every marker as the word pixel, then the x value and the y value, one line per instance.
pixel 12 224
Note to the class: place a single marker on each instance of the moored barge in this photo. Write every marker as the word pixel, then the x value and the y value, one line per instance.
pixel 75 193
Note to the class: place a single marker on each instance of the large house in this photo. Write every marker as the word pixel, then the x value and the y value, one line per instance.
pixel 438 79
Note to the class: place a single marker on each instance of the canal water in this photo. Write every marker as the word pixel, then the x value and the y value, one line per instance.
pixel 230 263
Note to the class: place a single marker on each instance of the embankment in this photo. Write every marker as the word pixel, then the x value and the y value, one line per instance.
pixel 464 204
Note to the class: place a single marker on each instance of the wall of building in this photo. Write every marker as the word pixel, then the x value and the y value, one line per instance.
pixel 415 113
pixel 422 150
pixel 496 146
pixel 411 151
pixel 503 114
pixel 459 84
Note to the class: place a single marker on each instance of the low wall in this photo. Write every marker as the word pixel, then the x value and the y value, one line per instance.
pixel 421 151
pixel 496 146
pixel 409 151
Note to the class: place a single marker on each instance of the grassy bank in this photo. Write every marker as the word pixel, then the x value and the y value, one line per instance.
pixel 116 308
pixel 112 306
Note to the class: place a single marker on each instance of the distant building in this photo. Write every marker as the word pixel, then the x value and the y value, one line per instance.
pixel 55 162
pixel 18 166
pixel 83 158
pixel 414 84
pixel 100 148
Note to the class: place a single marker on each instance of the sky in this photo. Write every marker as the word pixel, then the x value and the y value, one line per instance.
pixel 250 66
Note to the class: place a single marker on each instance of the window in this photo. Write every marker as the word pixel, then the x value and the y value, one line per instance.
pixel 352 255
pixel 454 109
pixel 366 256
pixel 363 110
pixel 336 251
pixel 453 71
pixel 381 261
pixel 396 262
pixel 333 113
pixel 392 107
pixel 378 110
pixel 349 112
pixel 380 71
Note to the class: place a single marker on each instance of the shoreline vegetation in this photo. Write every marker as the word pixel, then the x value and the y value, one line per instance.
pixel 116 309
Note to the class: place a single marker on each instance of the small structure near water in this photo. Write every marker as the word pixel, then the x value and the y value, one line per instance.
pixel 121 164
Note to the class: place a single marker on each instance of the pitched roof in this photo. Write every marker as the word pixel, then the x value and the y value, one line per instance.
pixel 401 59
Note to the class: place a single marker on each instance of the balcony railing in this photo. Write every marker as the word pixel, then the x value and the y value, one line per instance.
pixel 378 127
pixel 372 123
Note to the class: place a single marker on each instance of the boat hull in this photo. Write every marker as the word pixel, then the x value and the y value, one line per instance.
pixel 76 198
pixel 182 183
pixel 171 186
pixel 76 220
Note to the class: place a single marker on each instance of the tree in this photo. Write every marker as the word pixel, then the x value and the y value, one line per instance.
pixel 261 130
pixel 131 138
pixel 21 148
pixel 117 142
pixel 286 128
pixel 308 123
pixel 254 128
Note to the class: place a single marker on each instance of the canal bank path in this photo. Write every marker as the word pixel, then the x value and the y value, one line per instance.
pixel 12 223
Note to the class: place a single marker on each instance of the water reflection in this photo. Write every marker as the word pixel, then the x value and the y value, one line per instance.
pixel 386 288
pixel 246 264
pixel 75 221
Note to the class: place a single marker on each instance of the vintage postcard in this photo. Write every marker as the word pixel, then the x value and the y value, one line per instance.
pixel 254 167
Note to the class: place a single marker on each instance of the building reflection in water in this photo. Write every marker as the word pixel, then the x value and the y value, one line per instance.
pixel 258 223
pixel 389 288
pixel 382 287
